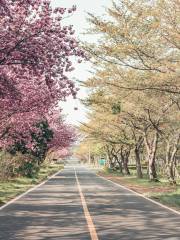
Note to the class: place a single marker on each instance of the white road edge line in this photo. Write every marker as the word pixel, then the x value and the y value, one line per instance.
pixel 92 229
pixel 28 191
pixel 141 195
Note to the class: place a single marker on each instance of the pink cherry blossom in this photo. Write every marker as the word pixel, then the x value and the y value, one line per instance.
pixel 35 58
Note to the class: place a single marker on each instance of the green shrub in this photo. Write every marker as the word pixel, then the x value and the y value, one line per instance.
pixel 107 169
pixel 6 165
pixel 28 166
pixel 17 165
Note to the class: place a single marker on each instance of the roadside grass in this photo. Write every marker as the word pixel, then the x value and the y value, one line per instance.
pixel 160 191
pixel 171 199
pixel 16 186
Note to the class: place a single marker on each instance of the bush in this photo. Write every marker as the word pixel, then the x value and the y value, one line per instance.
pixel 17 165
pixel 6 165
pixel 29 167
pixel 107 169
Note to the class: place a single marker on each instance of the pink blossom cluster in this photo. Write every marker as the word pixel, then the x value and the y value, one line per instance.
pixel 35 58
pixel 64 134
pixel 63 153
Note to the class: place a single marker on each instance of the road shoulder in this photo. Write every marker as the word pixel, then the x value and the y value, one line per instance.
pixel 14 189
pixel 118 181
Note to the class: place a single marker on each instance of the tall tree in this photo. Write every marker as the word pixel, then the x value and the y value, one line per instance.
pixel 136 72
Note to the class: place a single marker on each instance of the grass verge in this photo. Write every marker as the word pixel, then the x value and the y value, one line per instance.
pixel 160 191
pixel 16 186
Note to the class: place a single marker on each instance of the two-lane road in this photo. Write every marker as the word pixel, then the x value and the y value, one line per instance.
pixel 77 204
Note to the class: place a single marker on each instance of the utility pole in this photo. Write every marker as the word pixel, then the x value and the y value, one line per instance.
pixel 89 155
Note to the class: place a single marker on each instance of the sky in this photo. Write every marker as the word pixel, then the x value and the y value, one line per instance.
pixel 78 20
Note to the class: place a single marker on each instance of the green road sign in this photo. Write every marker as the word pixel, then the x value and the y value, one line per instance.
pixel 102 162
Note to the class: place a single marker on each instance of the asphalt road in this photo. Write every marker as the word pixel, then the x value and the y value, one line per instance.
pixel 75 204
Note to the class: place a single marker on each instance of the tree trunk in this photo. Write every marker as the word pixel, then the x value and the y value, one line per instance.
pixel 170 173
pixel 125 159
pixel 152 170
pixel 171 152
pixel 119 162
pixel 151 151
pixel 138 163
pixel 120 166
pixel 126 168
pixel 111 163
pixel 125 162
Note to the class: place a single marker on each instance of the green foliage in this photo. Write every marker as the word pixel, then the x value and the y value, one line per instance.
pixel 29 169
pixel 13 165
pixel 40 140
pixel 107 170
pixel 116 108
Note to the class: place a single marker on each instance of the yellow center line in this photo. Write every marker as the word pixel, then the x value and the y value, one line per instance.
pixel 89 220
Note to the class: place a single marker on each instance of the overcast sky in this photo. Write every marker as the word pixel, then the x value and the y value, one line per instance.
pixel 80 24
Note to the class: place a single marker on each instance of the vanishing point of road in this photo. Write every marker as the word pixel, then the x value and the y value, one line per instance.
pixel 76 204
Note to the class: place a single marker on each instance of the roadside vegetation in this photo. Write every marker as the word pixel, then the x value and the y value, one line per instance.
pixel 17 185
pixel 134 94
pixel 22 168
pixel 160 191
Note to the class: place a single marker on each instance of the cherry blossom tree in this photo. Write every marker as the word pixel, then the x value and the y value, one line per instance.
pixel 36 53
pixel 51 135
